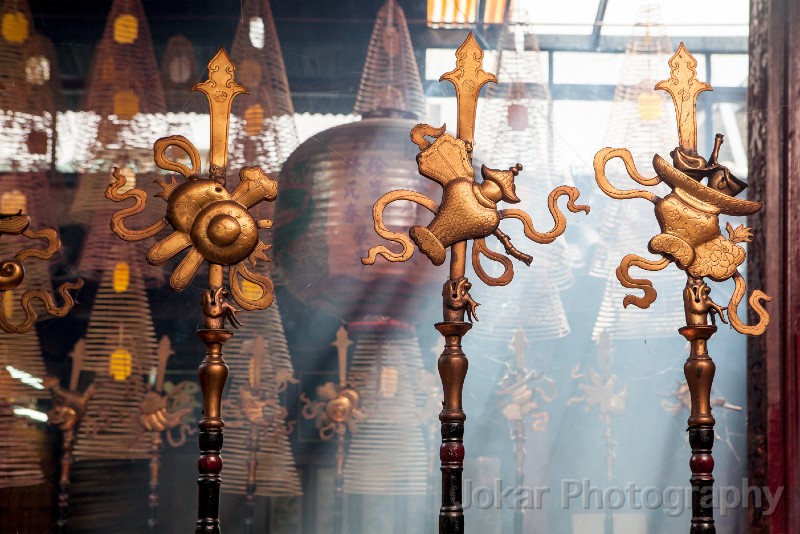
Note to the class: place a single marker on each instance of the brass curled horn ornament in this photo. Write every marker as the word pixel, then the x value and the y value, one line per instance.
pixel 12 274
pixel 212 223
pixel 689 215
pixel 468 210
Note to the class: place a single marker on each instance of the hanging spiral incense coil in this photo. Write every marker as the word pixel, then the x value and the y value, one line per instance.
pixel 123 93
pixel 387 456
pixel 21 465
pixel 264 132
pixel 331 182
pixel 121 352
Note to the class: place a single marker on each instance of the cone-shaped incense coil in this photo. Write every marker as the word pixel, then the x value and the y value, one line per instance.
pixel 266 324
pixel 22 368
pixel 532 304
pixel 259 355
pixel 264 132
pixel 124 91
pixel 516 126
pixel 644 123
pixel 390 80
pixel 102 250
pixel 27 111
pixel 121 351
pixel 19 458
pixel 387 454
pixel 275 471
pixel 179 73
pixel 662 319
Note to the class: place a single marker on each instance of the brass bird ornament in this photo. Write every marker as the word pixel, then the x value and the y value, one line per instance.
pixel 689 215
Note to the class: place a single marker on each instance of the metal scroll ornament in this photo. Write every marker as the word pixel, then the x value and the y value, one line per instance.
pixel 691 238
pixel 468 211
pixel 213 225
pixel 12 274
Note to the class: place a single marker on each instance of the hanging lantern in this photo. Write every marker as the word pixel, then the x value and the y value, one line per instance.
pixel 329 184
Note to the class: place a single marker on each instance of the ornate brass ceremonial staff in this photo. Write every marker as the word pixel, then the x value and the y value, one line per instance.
pixel 337 410
pixel 691 237
pixel 215 226
pixel 519 403
pixel 468 211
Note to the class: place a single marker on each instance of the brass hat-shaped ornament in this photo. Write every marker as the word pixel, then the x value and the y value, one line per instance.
pixel 689 216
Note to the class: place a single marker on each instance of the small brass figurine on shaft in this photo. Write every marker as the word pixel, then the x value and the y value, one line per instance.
pixel 691 238
pixel 215 225
pixel 468 211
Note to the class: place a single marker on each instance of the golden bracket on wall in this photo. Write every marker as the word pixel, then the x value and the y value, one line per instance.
pixel 692 239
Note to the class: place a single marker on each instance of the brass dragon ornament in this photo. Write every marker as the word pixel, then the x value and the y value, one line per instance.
pixel 468 209
pixel 689 215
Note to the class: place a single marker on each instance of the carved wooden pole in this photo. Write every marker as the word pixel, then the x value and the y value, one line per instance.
pixel 215 225
pixel 468 211
pixel 691 237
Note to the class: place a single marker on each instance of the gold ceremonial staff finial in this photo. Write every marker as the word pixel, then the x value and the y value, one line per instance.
pixel 214 225
pixel 12 274
pixel 468 211
pixel 691 238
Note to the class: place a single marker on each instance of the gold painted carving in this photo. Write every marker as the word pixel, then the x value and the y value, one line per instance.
pixel 690 236
pixel 468 209
pixel 211 222
pixel 12 274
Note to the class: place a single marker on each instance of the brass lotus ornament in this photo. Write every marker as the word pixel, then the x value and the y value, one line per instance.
pixel 691 238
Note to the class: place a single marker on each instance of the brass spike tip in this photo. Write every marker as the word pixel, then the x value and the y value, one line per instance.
pixel 684 87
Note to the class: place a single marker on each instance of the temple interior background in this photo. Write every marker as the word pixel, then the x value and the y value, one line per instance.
pixel 335 88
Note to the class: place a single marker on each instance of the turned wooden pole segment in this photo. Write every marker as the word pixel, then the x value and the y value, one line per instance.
pixel 213 374
pixel 518 437
pixel 338 495
pixel 64 481
pixel 156 442
pixel 250 487
pixel 699 371
pixel 453 366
